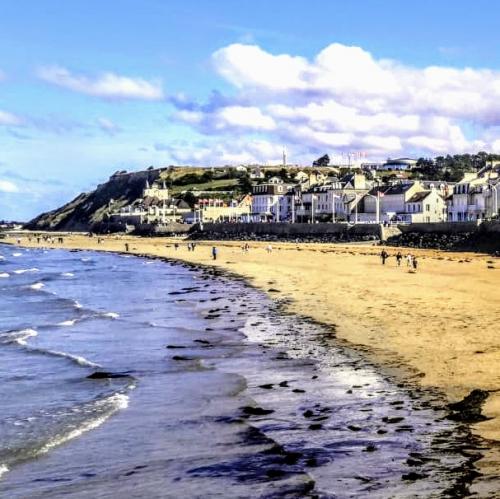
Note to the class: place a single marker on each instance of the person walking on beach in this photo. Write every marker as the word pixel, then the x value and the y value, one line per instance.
pixel 408 260
pixel 176 246
pixel 214 253
pixel 384 256
pixel 269 248
pixel 399 257
pixel 126 247
pixel 415 263
pixel 246 248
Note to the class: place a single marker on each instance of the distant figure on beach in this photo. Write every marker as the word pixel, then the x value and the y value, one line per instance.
pixel 415 263
pixel 176 246
pixel 126 246
pixel 189 246
pixel 214 253
pixel 269 248
pixel 409 260
pixel 384 256
pixel 246 247
pixel 399 257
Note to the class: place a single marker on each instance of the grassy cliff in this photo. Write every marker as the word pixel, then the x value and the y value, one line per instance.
pixel 88 209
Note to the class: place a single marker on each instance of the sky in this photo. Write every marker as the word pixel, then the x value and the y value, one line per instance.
pixel 90 87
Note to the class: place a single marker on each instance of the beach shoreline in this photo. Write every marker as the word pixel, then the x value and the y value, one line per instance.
pixel 436 325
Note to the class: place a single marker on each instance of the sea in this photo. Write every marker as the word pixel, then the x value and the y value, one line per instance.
pixel 129 377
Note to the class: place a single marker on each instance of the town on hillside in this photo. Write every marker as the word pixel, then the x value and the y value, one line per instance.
pixel 401 191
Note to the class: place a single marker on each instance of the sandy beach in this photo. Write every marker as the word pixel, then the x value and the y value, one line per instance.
pixel 439 324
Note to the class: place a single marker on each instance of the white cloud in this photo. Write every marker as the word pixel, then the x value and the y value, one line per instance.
pixel 246 117
pixel 8 186
pixel 249 65
pixel 106 125
pixel 221 152
pixel 345 99
pixel 9 119
pixel 107 85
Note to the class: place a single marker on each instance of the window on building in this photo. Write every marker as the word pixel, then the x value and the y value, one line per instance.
pixel 427 207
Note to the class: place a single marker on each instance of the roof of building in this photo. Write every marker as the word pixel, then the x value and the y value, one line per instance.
pixel 391 189
pixel 419 196
pixel 400 161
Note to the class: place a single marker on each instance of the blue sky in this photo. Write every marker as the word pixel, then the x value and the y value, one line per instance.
pixel 89 87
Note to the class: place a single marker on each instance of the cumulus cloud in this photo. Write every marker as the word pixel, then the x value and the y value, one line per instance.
pixel 346 100
pixel 106 85
pixel 222 152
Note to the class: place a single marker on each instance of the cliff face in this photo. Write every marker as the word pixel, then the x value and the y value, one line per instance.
pixel 88 209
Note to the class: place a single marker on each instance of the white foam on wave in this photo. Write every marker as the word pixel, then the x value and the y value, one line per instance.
pixel 17 254
pixel 68 274
pixel 82 361
pixel 2 257
pixel 85 259
pixel 70 322
pixel 3 469
pixel 77 304
pixel 23 271
pixel 111 315
pixel 117 401
pixel 4 275
pixel 37 286
pixel 19 337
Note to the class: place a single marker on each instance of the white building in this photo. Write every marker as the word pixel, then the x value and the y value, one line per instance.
pixel 425 207
pixel 267 199
pixel 474 198
pixel 399 164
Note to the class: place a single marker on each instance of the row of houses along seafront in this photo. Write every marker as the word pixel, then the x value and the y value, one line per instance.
pixel 314 197
pixel 158 206
pixel 355 198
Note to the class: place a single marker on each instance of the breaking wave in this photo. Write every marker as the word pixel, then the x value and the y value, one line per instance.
pixel 37 286
pixel 104 408
pixel 20 337
pixel 111 315
pixel 23 271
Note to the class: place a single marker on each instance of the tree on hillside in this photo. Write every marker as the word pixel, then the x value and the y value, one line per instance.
pixel 189 198
pixel 322 161
pixel 245 184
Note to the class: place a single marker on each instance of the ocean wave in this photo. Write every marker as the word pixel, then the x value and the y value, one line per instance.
pixel 23 271
pixel 37 286
pixel 4 274
pixel 17 254
pixel 2 258
pixel 3 469
pixel 105 408
pixel 70 322
pixel 18 337
pixel 111 315
pixel 68 274
pixel 77 359
pixel 77 304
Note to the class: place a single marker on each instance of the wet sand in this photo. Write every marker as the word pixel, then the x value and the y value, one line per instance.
pixel 441 323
